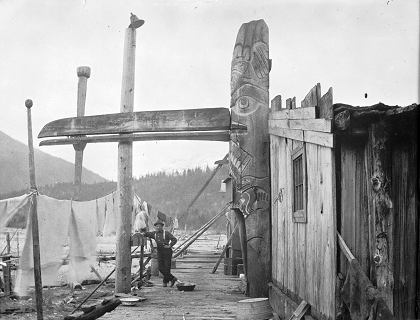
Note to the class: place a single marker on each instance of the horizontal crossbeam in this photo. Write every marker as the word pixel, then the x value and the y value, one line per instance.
pixel 223 135
pixel 206 119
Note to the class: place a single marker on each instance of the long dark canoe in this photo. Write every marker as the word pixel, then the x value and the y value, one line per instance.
pixel 206 119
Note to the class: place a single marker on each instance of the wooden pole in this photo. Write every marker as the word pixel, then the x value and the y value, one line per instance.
pixel 7 243
pixel 98 286
pixel 210 222
pixel 344 248
pixel 198 235
pixel 34 217
pixel 141 257
pixel 125 168
pixel 224 250
pixel 6 278
pixel 83 73
pixel 203 188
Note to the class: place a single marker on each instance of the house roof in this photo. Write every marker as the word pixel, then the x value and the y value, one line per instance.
pixel 356 120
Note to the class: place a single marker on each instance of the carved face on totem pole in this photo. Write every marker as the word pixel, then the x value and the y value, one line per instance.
pixel 249 102
pixel 250 69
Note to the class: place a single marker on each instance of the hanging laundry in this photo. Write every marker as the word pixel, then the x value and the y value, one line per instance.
pixel 137 207
pixel 12 214
pixel 82 240
pixel 144 207
pixel 53 215
pixel 153 215
pixel 116 203
pixel 100 215
pixel 141 221
pixel 110 226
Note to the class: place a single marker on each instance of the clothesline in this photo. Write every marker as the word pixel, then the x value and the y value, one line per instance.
pixel 76 225
pixel 11 212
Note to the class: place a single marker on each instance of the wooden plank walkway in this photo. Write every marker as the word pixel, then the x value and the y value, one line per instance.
pixel 214 297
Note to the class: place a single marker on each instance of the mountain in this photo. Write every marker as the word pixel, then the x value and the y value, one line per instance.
pixel 14 167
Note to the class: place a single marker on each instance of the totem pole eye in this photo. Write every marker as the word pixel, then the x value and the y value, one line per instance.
pixel 243 103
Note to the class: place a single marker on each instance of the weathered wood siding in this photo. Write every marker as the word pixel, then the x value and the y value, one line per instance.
pixel 354 222
pixel 303 254
pixel 303 261
pixel 378 211
pixel 405 194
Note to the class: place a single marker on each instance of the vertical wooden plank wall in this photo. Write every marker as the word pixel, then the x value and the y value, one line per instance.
pixel 275 244
pixel 354 220
pixel 404 185
pixel 304 255
pixel 379 209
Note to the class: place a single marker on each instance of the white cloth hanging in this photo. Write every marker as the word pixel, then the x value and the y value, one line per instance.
pixel 53 226
pixel 10 207
pixel 110 226
pixel 82 240
pixel 100 215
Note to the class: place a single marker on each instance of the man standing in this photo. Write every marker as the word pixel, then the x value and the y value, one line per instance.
pixel 165 241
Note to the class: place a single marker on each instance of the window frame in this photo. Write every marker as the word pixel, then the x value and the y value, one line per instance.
pixel 299 216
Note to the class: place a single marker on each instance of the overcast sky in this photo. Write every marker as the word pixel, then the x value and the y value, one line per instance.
pixel 183 60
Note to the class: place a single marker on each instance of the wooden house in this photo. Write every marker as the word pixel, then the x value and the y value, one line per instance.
pixel 338 169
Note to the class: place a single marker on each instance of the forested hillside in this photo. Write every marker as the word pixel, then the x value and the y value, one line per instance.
pixel 14 167
pixel 168 193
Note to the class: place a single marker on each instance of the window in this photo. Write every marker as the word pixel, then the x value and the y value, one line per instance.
pixel 299 184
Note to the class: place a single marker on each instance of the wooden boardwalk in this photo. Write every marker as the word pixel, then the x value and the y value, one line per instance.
pixel 214 297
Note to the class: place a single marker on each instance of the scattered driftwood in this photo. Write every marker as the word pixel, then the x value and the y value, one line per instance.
pixel 107 258
pixel 96 311
pixel 18 309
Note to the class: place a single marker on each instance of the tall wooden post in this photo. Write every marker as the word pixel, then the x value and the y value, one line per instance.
pixel 83 74
pixel 34 217
pixel 249 152
pixel 8 243
pixel 125 166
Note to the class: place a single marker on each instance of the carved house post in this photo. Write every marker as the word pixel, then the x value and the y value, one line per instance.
pixel 249 153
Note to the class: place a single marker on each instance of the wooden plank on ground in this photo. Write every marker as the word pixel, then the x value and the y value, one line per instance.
pixel 205 119
pixel 96 311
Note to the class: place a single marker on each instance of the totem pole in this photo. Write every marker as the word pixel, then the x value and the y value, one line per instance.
pixel 249 152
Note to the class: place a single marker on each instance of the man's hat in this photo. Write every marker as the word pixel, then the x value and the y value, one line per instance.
pixel 159 222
